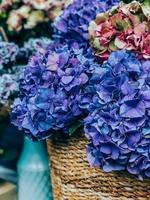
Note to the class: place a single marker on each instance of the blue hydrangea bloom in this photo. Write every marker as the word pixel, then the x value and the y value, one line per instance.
pixel 51 90
pixel 73 23
pixel 118 125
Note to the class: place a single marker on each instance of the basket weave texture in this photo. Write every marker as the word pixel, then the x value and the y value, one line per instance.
pixel 74 179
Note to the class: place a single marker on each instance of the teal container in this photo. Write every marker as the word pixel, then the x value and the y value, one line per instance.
pixel 33 172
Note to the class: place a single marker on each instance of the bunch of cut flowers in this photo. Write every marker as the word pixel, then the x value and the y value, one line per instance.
pixel 95 74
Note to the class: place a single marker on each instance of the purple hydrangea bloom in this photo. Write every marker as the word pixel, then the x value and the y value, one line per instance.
pixel 51 89
pixel 118 125
pixel 73 23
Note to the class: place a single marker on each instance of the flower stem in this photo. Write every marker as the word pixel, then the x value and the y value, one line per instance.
pixel 3 34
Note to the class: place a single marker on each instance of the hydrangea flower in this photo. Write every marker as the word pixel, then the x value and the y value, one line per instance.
pixel 12 61
pixel 74 22
pixel 53 7
pixel 8 86
pixel 5 4
pixel 8 53
pixel 124 27
pixel 25 18
pixel 34 45
pixel 51 88
pixel 118 123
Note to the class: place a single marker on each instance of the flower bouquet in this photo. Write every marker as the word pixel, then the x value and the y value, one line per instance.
pixel 93 81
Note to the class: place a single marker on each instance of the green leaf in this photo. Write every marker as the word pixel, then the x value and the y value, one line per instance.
pixel 122 25
pixel 112 46
pixel 74 128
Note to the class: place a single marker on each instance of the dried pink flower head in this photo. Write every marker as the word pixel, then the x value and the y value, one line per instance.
pixel 124 27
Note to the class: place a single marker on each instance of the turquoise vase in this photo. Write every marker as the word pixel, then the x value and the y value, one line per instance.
pixel 33 172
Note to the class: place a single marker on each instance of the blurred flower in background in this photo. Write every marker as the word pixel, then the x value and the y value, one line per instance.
pixel 24 19
pixel 53 7
pixel 34 45
pixel 8 54
pixel 8 85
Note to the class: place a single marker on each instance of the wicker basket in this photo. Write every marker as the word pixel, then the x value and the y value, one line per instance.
pixel 74 179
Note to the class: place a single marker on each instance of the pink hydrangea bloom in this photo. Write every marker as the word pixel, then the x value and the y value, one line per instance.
pixel 125 27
